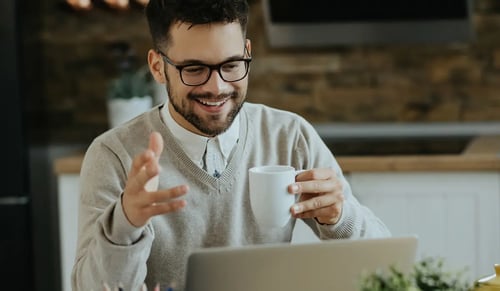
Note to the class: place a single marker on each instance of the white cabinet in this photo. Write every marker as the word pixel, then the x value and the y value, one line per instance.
pixel 456 215
pixel 69 193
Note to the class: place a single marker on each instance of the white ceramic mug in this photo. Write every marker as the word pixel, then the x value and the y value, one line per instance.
pixel 269 195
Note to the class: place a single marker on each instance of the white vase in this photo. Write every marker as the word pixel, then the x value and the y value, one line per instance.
pixel 121 110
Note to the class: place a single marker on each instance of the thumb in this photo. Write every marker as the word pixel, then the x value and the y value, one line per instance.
pixel 156 145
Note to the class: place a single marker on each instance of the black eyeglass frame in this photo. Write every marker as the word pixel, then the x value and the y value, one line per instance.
pixel 216 67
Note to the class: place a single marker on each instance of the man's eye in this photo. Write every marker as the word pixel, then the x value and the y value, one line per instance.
pixel 194 69
pixel 231 66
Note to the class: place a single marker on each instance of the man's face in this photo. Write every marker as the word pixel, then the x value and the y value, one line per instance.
pixel 210 108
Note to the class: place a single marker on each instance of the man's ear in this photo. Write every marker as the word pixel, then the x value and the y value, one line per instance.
pixel 248 45
pixel 156 66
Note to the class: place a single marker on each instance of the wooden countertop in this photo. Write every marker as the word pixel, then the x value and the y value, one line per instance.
pixel 69 164
pixel 482 154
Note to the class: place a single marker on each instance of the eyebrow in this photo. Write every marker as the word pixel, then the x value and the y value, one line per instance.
pixel 198 62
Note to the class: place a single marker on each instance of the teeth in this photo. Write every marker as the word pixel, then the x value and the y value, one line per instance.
pixel 208 103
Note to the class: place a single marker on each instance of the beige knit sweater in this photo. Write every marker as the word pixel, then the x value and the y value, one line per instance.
pixel 218 211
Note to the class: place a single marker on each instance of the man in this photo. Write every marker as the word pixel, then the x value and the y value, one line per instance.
pixel 176 178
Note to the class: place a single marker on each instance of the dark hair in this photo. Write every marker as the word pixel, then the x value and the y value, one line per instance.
pixel 161 14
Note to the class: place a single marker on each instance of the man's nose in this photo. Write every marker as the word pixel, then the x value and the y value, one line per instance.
pixel 215 82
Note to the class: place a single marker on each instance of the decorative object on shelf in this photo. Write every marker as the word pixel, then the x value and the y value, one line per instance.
pixel 85 5
pixel 428 274
pixel 130 93
pixel 489 283
pixel 80 4
pixel 117 4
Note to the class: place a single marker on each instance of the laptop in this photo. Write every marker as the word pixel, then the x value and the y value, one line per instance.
pixel 317 266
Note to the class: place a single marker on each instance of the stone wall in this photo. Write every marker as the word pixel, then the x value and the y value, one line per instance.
pixel 68 68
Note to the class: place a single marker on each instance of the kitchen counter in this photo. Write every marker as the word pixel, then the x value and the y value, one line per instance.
pixel 481 154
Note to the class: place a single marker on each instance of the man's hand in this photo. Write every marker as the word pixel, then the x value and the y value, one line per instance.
pixel 141 198
pixel 321 196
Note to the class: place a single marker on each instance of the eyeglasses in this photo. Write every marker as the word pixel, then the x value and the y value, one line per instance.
pixel 198 74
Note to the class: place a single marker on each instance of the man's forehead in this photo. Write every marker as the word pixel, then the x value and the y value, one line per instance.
pixel 208 40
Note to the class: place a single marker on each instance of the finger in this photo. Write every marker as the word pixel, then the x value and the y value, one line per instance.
pixel 317 202
pixel 166 201
pixel 106 287
pixel 309 181
pixel 164 196
pixel 137 182
pixel 315 174
pixel 314 186
pixel 147 173
pixel 304 196
pixel 156 143
pixel 156 146
pixel 330 214
pixel 140 161
pixel 166 207
pixel 143 206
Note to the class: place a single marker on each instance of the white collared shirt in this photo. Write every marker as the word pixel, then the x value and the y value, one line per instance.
pixel 195 145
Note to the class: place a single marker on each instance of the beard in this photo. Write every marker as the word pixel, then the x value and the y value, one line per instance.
pixel 212 125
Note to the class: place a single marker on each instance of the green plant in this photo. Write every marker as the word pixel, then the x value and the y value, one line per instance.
pixel 131 84
pixel 428 274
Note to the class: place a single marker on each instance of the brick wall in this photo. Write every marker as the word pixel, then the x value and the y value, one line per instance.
pixel 68 67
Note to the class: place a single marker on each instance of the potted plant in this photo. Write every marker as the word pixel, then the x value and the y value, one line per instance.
pixel 129 95
pixel 130 91
pixel 428 274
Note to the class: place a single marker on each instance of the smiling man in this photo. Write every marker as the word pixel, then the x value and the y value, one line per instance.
pixel 175 179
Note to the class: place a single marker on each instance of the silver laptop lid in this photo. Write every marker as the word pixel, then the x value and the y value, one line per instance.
pixel 327 265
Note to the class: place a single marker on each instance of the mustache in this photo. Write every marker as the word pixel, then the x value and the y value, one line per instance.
pixel 210 96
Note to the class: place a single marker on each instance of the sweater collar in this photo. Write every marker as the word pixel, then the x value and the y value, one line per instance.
pixel 194 144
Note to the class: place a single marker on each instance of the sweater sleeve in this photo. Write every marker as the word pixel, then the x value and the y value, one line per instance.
pixel 109 249
pixel 357 220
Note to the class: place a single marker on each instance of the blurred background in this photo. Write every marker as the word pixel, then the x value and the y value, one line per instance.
pixel 59 59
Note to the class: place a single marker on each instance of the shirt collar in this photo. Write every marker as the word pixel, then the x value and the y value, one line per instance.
pixel 194 145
